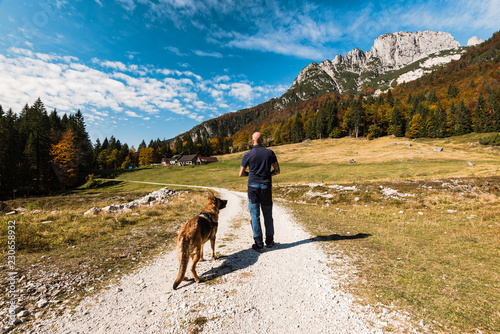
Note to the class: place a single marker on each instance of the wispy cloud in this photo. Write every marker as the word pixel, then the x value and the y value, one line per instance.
pixel 207 54
pixel 175 50
pixel 310 30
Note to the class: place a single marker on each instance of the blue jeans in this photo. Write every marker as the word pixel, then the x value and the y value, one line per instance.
pixel 260 198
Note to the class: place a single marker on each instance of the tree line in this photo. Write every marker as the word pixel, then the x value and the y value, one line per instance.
pixel 42 152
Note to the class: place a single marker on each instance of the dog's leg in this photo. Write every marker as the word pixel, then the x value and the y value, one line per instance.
pixel 196 258
pixel 201 253
pixel 183 255
pixel 212 244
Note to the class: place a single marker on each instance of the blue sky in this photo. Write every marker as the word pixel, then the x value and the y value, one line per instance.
pixel 147 69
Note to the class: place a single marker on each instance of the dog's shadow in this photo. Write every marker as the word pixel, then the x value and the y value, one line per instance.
pixel 247 257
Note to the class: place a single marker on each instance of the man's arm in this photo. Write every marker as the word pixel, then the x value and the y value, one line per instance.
pixel 276 169
pixel 243 172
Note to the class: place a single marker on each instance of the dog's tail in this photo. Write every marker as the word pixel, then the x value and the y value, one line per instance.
pixel 183 254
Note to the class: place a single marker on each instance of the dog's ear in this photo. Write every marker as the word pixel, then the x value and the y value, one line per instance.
pixel 211 196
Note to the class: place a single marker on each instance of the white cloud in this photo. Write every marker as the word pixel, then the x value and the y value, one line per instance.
pixel 132 113
pixel 241 91
pixel 106 91
pixel 207 54
pixel 116 65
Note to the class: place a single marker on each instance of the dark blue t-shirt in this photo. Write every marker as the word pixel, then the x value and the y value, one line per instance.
pixel 259 160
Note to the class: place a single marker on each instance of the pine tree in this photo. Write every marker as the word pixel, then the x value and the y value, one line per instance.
pixel 297 129
pixel 358 116
pixel 332 118
pixel 178 145
pixel 494 105
pixel 452 91
pixel 10 159
pixel 390 98
pixel 34 127
pixel 321 122
pixel 188 144
pixel 441 121
pixel 464 123
pixel 453 120
pixel 482 120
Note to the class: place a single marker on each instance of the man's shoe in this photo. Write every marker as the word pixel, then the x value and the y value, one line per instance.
pixel 270 245
pixel 257 248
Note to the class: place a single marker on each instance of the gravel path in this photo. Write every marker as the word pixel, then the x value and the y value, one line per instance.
pixel 288 289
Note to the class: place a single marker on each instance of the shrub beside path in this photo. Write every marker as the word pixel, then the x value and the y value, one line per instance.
pixel 287 289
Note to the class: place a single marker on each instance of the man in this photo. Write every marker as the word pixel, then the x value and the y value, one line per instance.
pixel 263 165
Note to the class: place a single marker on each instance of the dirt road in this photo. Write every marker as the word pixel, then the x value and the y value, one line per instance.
pixel 288 289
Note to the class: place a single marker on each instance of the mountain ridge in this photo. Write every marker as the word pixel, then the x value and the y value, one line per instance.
pixel 233 128
pixel 357 69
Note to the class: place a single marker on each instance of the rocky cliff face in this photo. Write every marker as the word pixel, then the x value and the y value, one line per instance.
pixel 390 53
pixel 474 41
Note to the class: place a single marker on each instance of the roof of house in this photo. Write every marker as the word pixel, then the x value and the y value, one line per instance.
pixel 209 159
pixel 190 157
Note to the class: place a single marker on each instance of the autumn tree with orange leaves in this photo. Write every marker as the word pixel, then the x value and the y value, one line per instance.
pixel 65 159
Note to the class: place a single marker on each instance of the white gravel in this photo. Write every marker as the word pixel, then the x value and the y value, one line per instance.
pixel 288 289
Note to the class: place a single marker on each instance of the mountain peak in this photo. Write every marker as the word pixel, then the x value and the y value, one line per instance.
pixel 390 52
pixel 474 41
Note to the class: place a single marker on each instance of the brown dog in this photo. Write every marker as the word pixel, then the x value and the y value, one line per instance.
pixel 194 234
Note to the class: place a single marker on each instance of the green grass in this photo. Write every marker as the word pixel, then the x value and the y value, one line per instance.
pixel 493 140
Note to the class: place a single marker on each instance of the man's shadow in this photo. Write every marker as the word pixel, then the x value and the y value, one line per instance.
pixel 246 258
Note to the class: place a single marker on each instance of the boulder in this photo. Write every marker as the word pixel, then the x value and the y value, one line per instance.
pixel 4 207
pixel 469 164
pixel 438 149
pixel 92 211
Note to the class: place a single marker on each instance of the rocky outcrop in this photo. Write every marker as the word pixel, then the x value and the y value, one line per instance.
pixel 474 41
pixel 156 197
pixel 390 52
pixel 402 48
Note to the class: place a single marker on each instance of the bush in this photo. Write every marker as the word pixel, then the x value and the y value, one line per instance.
pixel 493 140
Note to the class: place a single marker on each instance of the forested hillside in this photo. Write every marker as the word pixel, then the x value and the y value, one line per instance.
pixel 459 98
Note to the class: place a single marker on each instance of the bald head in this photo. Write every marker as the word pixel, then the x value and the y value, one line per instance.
pixel 257 138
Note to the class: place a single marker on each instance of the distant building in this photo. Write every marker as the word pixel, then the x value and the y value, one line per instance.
pixel 188 160
pixel 206 160
pixel 174 159
pixel 191 160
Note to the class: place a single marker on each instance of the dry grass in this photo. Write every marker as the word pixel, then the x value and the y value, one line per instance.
pixel 60 243
pixel 434 254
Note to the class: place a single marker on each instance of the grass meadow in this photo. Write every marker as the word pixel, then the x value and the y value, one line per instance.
pixel 433 223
